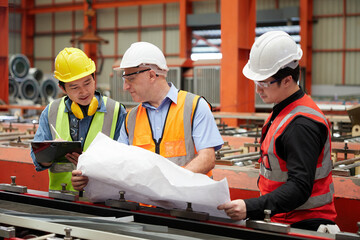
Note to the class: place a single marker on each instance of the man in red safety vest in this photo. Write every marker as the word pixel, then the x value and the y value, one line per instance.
pixel 295 165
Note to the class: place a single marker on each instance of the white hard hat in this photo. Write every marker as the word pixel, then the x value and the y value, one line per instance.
pixel 271 52
pixel 143 53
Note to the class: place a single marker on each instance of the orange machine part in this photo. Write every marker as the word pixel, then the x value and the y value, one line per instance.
pixel 17 162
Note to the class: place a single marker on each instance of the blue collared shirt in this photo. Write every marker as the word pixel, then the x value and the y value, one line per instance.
pixel 205 132
pixel 43 132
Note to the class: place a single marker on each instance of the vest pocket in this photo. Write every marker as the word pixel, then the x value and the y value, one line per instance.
pixel 143 142
pixel 174 148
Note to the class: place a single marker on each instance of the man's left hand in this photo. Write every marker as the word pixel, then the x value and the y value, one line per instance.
pixel 73 157
pixel 235 209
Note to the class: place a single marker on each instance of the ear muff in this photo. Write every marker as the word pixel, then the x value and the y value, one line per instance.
pixel 93 106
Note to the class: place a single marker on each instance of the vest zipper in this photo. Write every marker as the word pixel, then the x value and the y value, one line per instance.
pixel 157 147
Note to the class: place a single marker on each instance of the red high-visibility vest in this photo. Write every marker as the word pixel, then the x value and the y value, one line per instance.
pixel 274 173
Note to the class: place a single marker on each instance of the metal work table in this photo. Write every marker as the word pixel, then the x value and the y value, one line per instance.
pixel 146 224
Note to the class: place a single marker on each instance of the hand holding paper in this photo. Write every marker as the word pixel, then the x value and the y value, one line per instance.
pixel 147 178
pixel 78 180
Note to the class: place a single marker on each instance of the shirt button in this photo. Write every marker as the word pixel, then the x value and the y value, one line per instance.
pixel 158 128
pixel 81 139
pixel 157 111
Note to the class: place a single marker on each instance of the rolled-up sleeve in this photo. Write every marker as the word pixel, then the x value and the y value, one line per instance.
pixel 205 132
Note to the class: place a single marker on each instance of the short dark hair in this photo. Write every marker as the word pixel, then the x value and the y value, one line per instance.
pixel 62 84
pixel 288 71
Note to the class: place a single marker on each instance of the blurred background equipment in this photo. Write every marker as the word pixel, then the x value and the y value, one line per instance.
pixel 19 66
pixel 29 83
pixel 29 89
pixel 49 88
pixel 36 73
pixel 13 89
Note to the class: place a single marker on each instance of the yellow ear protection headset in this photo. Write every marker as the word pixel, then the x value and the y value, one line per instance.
pixel 93 106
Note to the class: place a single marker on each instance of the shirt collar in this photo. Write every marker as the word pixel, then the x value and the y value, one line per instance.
pixel 279 107
pixel 170 96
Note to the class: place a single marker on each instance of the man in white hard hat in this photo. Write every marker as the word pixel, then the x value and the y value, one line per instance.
pixel 78 116
pixel 295 172
pixel 176 124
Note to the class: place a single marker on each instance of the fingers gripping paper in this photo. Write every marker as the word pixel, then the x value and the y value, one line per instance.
pixel 147 178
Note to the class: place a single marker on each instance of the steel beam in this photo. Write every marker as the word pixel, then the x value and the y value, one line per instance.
pixel 238 22
pixel 27 30
pixel 4 50
pixel 113 4
pixel 56 8
pixel 90 48
pixel 306 26
pixel 185 32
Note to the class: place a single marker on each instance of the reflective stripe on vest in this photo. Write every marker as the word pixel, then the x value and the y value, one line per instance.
pixel 179 150
pixel 60 172
pixel 277 173
pixel 282 176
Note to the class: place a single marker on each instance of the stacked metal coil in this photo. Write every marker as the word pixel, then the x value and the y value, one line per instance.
pixel 36 73
pixel 21 84
pixel 13 90
pixel 29 89
pixel 19 66
pixel 28 83
pixel 49 88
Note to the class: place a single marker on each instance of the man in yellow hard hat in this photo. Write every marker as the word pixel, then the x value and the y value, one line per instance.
pixel 78 116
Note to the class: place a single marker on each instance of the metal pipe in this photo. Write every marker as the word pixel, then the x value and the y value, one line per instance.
pixel 231 151
pixel 350 166
pixel 241 156
pixel 252 158
pixel 348 161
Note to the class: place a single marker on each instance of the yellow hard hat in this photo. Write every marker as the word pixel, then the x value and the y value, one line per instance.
pixel 72 64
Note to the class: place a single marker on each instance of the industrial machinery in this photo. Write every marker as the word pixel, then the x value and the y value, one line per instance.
pixel 26 212
pixel 28 205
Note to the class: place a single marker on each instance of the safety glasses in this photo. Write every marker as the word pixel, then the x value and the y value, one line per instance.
pixel 266 84
pixel 126 76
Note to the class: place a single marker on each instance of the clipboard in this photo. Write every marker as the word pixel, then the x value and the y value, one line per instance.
pixel 50 151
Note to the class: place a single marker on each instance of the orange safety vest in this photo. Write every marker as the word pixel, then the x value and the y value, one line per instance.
pixel 176 143
pixel 274 173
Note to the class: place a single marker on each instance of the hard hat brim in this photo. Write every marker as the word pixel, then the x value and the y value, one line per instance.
pixel 75 77
pixel 118 69
pixel 248 73
pixel 254 76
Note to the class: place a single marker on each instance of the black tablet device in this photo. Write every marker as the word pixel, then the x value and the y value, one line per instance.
pixel 49 151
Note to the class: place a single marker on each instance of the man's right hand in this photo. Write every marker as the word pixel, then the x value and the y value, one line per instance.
pixel 78 181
